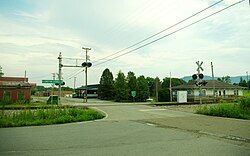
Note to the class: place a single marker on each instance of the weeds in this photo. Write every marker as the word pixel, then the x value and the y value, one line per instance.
pixel 240 110
pixel 47 116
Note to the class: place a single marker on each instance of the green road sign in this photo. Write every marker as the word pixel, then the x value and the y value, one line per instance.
pixel 52 81
pixel 133 93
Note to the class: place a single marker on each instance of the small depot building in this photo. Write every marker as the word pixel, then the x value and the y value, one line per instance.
pixel 15 88
pixel 91 91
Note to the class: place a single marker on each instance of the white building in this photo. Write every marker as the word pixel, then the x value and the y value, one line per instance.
pixel 222 90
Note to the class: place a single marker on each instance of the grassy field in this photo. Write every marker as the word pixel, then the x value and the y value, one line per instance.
pixel 46 116
pixel 246 93
pixel 240 110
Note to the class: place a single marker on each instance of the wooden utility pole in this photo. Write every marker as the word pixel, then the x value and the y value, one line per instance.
pixel 156 89
pixel 74 84
pixel 212 69
pixel 86 74
pixel 60 76
pixel 170 88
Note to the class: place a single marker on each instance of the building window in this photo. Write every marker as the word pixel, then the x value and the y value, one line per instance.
pixel 203 92
pixel 190 92
pixel 224 92
pixel 236 92
pixel 6 95
pixel 219 93
pixel 20 95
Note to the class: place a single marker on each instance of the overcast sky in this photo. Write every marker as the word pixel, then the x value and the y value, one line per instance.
pixel 32 33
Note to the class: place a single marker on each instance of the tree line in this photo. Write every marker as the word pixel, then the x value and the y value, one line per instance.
pixel 242 83
pixel 120 88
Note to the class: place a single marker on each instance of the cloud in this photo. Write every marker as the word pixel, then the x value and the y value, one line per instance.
pixel 32 38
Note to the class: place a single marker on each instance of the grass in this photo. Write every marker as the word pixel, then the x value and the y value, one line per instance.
pixel 46 116
pixel 246 93
pixel 240 110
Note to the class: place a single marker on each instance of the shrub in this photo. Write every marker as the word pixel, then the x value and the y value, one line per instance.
pixel 47 116
pixel 225 110
pixel 245 103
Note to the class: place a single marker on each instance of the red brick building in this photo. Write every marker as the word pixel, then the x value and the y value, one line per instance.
pixel 15 88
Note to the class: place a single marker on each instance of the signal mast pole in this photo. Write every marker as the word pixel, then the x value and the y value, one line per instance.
pixel 86 74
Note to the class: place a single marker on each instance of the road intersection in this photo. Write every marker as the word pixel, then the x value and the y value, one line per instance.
pixel 131 129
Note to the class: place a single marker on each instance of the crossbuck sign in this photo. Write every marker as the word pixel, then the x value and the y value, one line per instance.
pixel 199 66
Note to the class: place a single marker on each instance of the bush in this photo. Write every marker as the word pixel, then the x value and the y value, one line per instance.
pixel 245 103
pixel 225 110
pixel 47 116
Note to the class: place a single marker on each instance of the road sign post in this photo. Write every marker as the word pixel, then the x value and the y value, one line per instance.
pixel 53 81
pixel 133 94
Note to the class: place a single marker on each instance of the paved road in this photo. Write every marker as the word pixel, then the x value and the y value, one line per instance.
pixel 132 130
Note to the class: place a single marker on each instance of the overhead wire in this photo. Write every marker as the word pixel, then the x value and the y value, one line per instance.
pixel 160 31
pixel 171 33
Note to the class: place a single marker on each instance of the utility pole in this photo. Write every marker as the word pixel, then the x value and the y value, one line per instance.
pixel 156 89
pixel 86 74
pixel 74 84
pixel 170 88
pixel 199 72
pixel 53 85
pixel 212 69
pixel 25 73
pixel 247 81
pixel 60 76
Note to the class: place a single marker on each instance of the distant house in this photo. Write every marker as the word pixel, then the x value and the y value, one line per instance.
pixel 222 90
pixel 15 88
pixel 91 90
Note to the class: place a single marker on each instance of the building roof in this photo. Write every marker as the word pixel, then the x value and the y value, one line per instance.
pixel 90 87
pixel 14 82
pixel 209 85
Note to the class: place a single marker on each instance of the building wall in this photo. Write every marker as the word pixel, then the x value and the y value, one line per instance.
pixel 209 92
pixel 16 93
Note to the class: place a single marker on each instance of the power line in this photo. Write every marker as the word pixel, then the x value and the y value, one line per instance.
pixel 160 31
pixel 171 33
pixel 81 70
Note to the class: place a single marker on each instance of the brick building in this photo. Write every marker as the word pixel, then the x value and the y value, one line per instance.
pixel 15 88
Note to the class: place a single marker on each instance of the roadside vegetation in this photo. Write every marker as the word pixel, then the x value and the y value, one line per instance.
pixel 29 117
pixel 240 110
pixel 120 88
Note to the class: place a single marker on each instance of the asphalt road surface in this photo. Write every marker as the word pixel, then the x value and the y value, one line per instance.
pixel 131 129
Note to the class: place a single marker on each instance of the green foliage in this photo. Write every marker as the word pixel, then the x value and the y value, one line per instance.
pixel 121 88
pixel 225 110
pixel 132 84
pixel 242 83
pixel 225 79
pixel 245 103
pixel 106 87
pixel 47 116
pixel 151 86
pixel 164 93
pixel 143 90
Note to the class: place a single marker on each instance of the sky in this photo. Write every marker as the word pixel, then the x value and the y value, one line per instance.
pixel 33 33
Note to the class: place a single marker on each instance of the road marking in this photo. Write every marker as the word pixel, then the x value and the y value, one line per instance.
pixel 149 124
pixel 147 110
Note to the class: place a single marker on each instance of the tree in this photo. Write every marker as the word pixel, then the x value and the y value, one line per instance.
pixel 132 84
pixel 225 79
pixel 106 86
pixel 151 86
pixel 143 89
pixel 121 88
pixel 164 93
pixel 242 82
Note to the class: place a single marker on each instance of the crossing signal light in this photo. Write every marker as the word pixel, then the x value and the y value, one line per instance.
pixel 194 77
pixel 86 64
pixel 57 84
pixel 201 76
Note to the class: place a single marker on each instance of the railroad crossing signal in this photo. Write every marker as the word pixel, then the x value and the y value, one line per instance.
pixel 199 66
